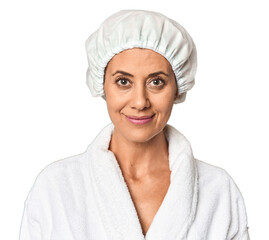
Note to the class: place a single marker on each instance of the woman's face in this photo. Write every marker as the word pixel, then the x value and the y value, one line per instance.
pixel 139 83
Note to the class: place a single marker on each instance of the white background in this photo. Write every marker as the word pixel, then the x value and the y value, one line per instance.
pixel 47 112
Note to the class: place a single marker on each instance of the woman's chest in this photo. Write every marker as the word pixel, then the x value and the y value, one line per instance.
pixel 147 197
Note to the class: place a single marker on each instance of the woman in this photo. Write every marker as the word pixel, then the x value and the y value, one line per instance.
pixel 138 179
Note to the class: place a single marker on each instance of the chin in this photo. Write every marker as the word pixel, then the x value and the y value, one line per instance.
pixel 141 135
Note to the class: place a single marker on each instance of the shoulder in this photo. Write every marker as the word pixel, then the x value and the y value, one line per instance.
pixel 58 186
pixel 57 174
pixel 63 166
pixel 210 174
pixel 217 188
pixel 207 169
pixel 216 185
pixel 216 179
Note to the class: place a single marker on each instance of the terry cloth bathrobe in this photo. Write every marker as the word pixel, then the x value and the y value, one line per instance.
pixel 85 197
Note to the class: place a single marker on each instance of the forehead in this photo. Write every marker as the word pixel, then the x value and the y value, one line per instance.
pixel 139 59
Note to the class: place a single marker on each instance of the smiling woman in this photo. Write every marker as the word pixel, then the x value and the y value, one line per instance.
pixel 138 179
pixel 145 87
pixel 139 101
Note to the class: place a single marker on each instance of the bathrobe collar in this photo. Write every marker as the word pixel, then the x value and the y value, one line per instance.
pixel 114 202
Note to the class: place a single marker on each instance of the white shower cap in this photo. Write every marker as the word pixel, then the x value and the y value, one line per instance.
pixel 141 29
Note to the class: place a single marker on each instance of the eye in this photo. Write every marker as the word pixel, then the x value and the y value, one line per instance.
pixel 158 82
pixel 122 81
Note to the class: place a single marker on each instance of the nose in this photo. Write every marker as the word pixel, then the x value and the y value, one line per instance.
pixel 139 99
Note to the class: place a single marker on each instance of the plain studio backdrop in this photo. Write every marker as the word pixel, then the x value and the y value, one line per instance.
pixel 48 113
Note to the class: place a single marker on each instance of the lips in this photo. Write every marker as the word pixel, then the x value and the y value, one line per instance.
pixel 140 119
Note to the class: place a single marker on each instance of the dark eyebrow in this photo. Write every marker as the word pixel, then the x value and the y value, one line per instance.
pixel 150 75
pixel 157 73
pixel 122 72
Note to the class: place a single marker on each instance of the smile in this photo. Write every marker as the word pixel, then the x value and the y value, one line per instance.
pixel 140 120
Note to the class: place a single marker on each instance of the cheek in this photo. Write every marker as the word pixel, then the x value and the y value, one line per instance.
pixel 114 103
pixel 163 102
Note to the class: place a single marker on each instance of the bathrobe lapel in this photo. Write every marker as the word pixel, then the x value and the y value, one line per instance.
pixel 114 202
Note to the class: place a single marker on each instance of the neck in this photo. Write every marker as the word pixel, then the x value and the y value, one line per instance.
pixel 138 159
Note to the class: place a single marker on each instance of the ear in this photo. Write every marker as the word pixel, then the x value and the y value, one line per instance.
pixel 181 97
pixel 176 95
pixel 104 97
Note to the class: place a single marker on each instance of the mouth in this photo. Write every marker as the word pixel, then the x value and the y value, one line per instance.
pixel 140 119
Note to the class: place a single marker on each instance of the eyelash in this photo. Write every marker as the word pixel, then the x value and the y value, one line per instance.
pixel 157 86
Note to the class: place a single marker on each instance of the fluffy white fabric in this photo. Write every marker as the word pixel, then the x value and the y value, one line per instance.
pixel 85 197
pixel 144 29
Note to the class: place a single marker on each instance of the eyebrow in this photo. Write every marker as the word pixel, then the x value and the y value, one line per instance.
pixel 150 75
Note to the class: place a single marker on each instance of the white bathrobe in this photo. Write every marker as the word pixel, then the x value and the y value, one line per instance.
pixel 85 197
